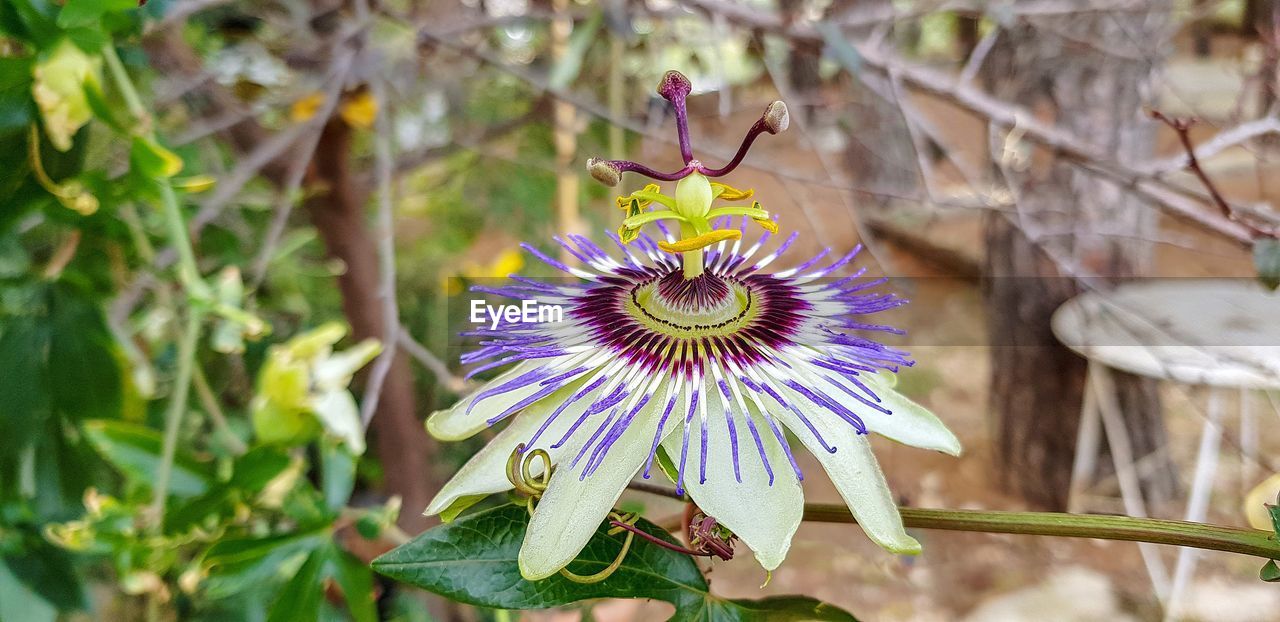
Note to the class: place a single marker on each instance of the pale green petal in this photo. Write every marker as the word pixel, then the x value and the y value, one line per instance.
pixel 337 369
pixel 455 423
pixel 910 424
pixel 571 509
pixel 764 516
pixel 856 475
pixel 485 472
pixel 340 416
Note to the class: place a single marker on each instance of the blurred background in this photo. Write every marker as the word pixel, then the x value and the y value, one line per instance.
pixel 370 161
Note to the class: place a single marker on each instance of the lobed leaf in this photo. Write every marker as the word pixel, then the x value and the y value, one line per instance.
pixel 473 560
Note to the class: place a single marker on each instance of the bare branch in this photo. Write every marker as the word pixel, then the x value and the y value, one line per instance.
pixel 1220 142
pixel 1183 128
pixel 1168 198
pixel 432 363
pixel 384 165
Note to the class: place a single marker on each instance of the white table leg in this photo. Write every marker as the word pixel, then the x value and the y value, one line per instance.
pixel 1198 505
pixel 1087 444
pixel 1104 390
pixel 1248 443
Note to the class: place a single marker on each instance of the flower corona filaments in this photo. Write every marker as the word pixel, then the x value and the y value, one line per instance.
pixel 685 350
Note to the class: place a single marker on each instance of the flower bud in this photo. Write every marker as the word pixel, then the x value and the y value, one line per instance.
pixel 604 171
pixel 776 117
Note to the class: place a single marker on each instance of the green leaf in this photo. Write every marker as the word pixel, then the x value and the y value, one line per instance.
pixel 1266 258
pixel 300 598
pixel 667 466
pixel 84 369
pixel 17 110
pixel 153 160
pixel 570 65
pixel 257 467
pixel 771 609
pixel 356 582
pixel 184 517
pixel 338 472
pixel 239 564
pixel 78 13
pixel 24 391
pixel 460 505
pixel 473 560
pixel 1270 572
pixel 102 109
pixel 135 451
pixel 1274 511
pixel 47 571
pixel 19 602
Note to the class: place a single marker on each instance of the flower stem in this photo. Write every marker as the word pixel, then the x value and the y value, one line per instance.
pixel 177 408
pixel 127 91
pixel 1107 527
pixel 1101 526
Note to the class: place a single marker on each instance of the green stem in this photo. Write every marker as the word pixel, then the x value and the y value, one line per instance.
pixel 1106 527
pixel 1101 526
pixel 188 270
pixel 121 77
pixel 177 407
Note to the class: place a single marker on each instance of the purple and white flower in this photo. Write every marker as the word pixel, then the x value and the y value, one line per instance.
pixel 707 358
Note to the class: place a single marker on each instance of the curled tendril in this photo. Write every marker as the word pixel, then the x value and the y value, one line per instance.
pixel 617 519
pixel 520 473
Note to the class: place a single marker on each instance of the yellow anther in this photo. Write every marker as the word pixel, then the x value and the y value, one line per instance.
pixel 627 234
pixel 700 241
pixel 624 203
pixel 769 225
pixel 726 192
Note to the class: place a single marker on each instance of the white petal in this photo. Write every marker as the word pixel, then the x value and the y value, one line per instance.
pixel 455 423
pixel 856 475
pixel 571 508
pixel 764 516
pixel 335 371
pixel 910 423
pixel 339 414
pixel 486 472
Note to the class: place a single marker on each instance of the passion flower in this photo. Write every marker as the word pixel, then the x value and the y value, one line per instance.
pixel 688 348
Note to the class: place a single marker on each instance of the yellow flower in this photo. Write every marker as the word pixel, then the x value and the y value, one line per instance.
pixel 306 107
pixel 303 386
pixel 360 110
pixel 58 89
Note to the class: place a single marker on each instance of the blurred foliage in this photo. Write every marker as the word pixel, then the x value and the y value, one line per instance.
pixel 248 497
pixel 248 521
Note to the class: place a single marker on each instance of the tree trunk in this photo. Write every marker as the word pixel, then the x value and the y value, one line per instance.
pixel 1036 388
pixel 338 212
